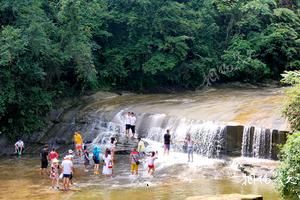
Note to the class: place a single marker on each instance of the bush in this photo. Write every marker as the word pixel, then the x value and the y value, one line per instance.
pixel 288 178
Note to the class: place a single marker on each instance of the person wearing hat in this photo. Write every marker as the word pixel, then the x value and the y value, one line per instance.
pixel 67 170
pixel 78 142
pixel 54 173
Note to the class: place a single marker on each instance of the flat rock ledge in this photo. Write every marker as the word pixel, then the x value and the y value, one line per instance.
pixel 227 197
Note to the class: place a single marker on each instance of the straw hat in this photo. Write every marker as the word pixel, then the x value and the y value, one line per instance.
pixel 55 160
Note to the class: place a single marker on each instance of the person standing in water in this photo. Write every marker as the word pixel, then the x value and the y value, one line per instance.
pixel 67 170
pixel 190 147
pixel 78 142
pixel 53 154
pixel 96 158
pixel 141 147
pixel 167 142
pixel 132 124
pixel 113 143
pixel 86 158
pixel 54 173
pixel 108 164
pixel 44 159
pixel 151 160
pixel 134 161
pixel 19 147
pixel 127 124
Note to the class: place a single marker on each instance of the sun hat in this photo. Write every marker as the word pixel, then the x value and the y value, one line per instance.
pixel 70 151
pixel 55 160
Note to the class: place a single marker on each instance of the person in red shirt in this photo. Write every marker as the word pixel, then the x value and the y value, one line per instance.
pixel 53 154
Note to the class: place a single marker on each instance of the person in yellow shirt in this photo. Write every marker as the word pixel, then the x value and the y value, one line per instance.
pixel 78 143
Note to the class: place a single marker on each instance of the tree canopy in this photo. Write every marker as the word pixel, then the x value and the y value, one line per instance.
pixel 58 48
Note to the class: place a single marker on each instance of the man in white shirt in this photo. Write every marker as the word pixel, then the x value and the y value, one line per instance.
pixel 67 170
pixel 132 123
pixel 19 147
pixel 127 123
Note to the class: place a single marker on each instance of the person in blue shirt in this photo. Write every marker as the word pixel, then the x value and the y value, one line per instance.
pixel 96 158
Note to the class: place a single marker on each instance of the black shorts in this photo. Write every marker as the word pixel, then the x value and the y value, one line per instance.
pixel 127 126
pixel 96 161
pixel 132 129
pixel 67 176
pixel 44 163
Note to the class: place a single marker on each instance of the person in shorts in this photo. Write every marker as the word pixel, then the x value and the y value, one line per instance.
pixel 67 170
pixel 78 142
pixel 151 160
pixel 132 124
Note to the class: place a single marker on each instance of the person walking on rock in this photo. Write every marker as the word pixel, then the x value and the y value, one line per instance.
pixel 127 124
pixel 78 143
pixel 132 124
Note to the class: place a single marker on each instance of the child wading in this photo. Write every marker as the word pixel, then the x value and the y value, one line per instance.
pixel 151 159
pixel 54 173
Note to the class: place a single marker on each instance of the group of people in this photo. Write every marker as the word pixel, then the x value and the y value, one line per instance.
pixel 130 121
pixel 65 171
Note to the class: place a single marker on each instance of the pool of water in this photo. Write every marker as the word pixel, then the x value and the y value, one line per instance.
pixel 20 179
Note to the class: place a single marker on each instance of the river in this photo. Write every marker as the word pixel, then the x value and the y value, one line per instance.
pixel 20 179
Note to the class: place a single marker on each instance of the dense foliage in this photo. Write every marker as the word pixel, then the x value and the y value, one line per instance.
pixel 55 48
pixel 292 107
pixel 289 171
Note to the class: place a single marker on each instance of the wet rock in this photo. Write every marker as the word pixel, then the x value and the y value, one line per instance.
pixel 227 197
pixel 54 115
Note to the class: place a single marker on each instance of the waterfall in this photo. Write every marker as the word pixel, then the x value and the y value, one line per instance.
pixel 257 142
pixel 208 136
pixel 212 139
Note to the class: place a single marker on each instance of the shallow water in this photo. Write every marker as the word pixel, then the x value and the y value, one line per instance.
pixel 20 179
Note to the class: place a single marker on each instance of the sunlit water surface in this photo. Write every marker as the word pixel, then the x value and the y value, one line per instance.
pixel 20 179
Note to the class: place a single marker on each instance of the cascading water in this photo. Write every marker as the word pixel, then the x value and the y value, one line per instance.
pixel 257 142
pixel 208 136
